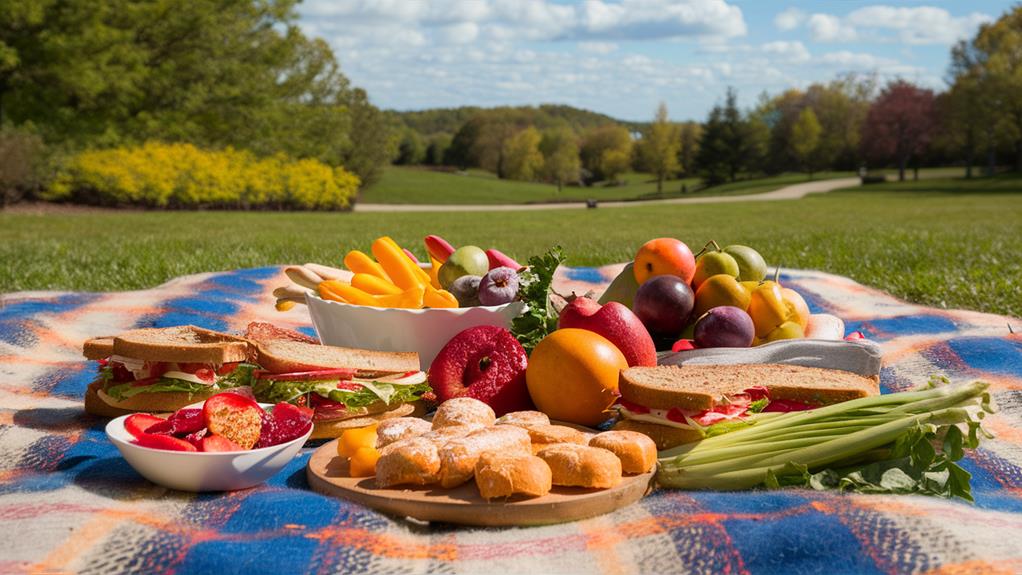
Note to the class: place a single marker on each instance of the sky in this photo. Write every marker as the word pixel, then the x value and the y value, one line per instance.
pixel 624 57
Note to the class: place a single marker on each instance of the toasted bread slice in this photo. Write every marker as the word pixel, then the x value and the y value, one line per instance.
pixel 285 356
pixel 185 343
pixel 701 387
pixel 259 331
pixel 664 436
pixel 334 428
pixel 98 347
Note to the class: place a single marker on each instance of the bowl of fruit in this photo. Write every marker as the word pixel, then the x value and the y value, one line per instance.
pixel 226 443
pixel 390 302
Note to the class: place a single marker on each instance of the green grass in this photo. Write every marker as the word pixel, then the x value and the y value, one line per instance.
pixel 951 243
pixel 411 185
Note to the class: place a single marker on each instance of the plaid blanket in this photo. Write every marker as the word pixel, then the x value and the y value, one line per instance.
pixel 69 503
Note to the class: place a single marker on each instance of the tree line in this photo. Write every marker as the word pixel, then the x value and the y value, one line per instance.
pixel 849 123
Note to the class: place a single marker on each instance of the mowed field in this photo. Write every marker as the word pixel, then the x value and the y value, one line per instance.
pixel 415 185
pixel 951 243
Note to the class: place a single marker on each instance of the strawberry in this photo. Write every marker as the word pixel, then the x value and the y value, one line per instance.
pixel 286 423
pixel 166 442
pixel 217 443
pixel 139 423
pixel 181 422
pixel 195 438
pixel 235 417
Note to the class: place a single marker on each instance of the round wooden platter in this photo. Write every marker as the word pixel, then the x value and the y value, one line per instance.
pixel 328 474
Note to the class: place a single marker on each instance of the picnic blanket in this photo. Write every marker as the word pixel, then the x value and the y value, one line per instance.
pixel 69 503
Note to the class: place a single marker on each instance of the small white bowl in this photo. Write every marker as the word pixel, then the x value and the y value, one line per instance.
pixel 198 471
pixel 424 331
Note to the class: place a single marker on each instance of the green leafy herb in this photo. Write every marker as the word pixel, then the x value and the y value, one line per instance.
pixel 539 317
pixel 908 442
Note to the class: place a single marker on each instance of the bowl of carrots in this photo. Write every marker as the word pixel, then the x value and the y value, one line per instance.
pixel 386 301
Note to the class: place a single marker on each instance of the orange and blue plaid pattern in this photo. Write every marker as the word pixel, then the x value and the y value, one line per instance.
pixel 69 503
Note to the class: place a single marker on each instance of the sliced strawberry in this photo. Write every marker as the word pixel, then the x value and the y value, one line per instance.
pixel 235 417
pixel 181 422
pixel 218 443
pixel 194 438
pixel 339 373
pixel 139 423
pixel 286 423
pixel 166 442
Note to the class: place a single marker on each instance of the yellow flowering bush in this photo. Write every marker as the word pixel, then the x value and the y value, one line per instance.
pixel 183 176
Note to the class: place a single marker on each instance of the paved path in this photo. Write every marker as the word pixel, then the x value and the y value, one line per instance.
pixel 792 192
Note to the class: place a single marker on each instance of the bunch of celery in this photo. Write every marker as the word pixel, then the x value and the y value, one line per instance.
pixel 904 442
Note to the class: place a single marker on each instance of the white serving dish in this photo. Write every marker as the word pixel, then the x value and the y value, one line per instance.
pixel 424 331
pixel 198 471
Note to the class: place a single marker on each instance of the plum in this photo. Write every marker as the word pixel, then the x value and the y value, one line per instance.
pixel 466 290
pixel 499 286
pixel 664 304
pixel 724 326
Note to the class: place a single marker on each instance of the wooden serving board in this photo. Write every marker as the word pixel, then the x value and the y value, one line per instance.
pixel 328 474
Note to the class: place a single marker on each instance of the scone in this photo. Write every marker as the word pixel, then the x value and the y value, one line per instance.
pixel 445 434
pixel 463 411
pixel 412 461
pixel 506 474
pixel 544 435
pixel 458 456
pixel 577 465
pixel 390 430
pixel 524 418
pixel 636 451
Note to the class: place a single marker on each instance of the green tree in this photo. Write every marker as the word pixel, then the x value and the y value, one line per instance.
pixel 998 58
pixel 560 151
pixel 522 159
pixel 411 148
pixel 731 142
pixel 437 148
pixel 659 147
pixel 689 148
pixel 606 152
pixel 805 139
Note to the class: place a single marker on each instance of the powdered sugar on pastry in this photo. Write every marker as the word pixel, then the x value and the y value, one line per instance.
pixel 390 430
pixel 463 411
pixel 459 456
pixel 524 418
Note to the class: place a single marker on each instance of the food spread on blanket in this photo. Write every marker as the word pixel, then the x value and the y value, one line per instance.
pixel 591 363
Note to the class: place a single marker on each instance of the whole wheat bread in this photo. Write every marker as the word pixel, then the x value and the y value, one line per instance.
pixel 284 356
pixel 259 331
pixel 701 387
pixel 98 347
pixel 184 344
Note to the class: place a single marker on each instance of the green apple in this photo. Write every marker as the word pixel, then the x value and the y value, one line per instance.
pixel 751 266
pixel 465 261
pixel 623 288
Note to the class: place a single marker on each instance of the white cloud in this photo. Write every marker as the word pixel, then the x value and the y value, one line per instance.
pixel 918 25
pixel 597 47
pixel 909 25
pixel 789 19
pixel 788 51
pixel 828 28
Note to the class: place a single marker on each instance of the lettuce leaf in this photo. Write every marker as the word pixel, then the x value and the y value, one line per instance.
pixel 539 318
pixel 276 391
pixel 165 384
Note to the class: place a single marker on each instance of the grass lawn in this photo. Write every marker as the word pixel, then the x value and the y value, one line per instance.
pixel 951 243
pixel 411 185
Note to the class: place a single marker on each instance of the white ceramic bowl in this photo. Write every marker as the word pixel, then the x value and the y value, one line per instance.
pixel 197 471
pixel 424 331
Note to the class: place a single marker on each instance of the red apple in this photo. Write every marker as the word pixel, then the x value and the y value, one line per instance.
pixel 615 322
pixel 485 363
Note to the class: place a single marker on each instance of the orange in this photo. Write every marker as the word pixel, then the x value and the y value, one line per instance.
pixel 664 256
pixel 573 374
pixel 718 290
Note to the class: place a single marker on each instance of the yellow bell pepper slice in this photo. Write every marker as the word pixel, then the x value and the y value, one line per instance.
pixel 434 272
pixel 347 293
pixel 438 298
pixel 374 285
pixel 409 299
pixel 402 271
pixel 360 263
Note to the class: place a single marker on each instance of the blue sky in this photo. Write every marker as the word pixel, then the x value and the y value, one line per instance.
pixel 623 57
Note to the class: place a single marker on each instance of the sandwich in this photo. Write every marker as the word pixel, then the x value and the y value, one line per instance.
pixel 681 404
pixel 344 387
pixel 164 369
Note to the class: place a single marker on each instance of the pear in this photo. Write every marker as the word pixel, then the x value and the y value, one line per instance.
pixel 623 288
